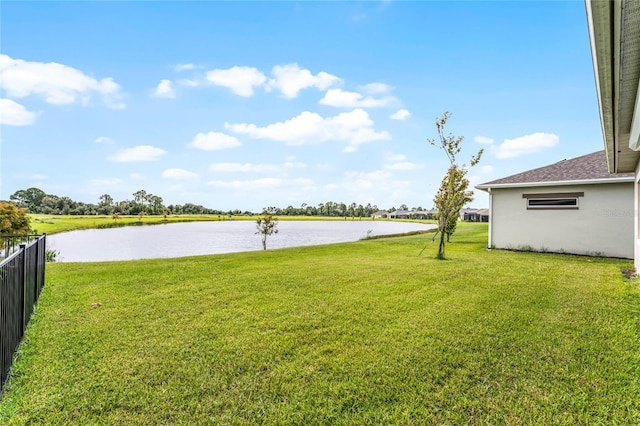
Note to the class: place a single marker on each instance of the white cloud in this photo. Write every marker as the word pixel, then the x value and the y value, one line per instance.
pixel 178 174
pixel 376 88
pixel 240 167
pixel 359 17
pixel 401 114
pixel 389 156
pixel 255 168
pixel 366 180
pixel 365 187
pixel 483 140
pixel 295 165
pixel 188 82
pixel 213 141
pixel 527 144
pixel 104 139
pixel 330 187
pixel 105 182
pixel 165 89
pixel 343 99
pixel 324 167
pixel 299 182
pixel 480 174
pixel 353 127
pixel 486 169
pixel 405 165
pixel 241 80
pixel 262 183
pixel 138 154
pixel 184 67
pixel 290 79
pixel 38 177
pixel 399 162
pixel 14 114
pixel 58 84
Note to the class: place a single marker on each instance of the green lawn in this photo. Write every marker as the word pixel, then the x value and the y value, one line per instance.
pixel 358 333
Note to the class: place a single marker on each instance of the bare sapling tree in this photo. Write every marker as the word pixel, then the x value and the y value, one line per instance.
pixel 454 191
pixel 267 225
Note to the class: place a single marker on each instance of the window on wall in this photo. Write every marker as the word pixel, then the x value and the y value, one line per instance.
pixel 553 201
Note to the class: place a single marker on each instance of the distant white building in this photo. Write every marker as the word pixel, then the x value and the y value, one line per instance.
pixel 399 214
pixel 379 214
pixel 412 214
pixel 475 215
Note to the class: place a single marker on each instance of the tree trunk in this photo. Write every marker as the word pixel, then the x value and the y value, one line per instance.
pixel 264 242
pixel 441 246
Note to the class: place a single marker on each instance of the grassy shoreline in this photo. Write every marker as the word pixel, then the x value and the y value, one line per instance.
pixel 356 333
pixel 52 224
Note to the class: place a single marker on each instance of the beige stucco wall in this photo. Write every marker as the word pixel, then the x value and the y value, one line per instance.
pixel 636 216
pixel 602 225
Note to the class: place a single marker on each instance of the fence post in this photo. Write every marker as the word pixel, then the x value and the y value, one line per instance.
pixel 23 277
pixel 44 262
pixel 36 268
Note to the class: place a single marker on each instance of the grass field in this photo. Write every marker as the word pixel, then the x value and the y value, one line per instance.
pixel 51 224
pixel 357 333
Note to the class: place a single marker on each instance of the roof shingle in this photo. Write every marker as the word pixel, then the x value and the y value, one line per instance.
pixel 587 167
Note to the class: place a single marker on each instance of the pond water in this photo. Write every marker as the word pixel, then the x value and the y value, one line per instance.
pixel 199 238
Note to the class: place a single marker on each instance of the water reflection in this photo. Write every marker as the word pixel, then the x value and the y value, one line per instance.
pixel 198 238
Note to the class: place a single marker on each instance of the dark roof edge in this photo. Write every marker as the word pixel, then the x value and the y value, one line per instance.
pixel 624 179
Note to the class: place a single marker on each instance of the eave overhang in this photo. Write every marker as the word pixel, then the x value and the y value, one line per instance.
pixel 614 33
pixel 487 187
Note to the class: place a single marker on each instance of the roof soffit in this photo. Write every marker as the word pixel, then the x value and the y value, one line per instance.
pixel 600 34
pixel 630 75
pixel 614 30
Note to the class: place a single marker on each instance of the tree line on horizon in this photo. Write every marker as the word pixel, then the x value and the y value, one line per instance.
pixel 333 209
pixel 37 201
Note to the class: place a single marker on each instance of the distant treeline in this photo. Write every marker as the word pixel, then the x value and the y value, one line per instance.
pixel 36 200
pixel 329 208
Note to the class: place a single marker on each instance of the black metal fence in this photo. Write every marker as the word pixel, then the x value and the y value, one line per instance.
pixel 21 281
pixel 10 244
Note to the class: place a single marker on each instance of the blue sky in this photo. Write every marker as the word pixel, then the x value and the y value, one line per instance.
pixel 252 104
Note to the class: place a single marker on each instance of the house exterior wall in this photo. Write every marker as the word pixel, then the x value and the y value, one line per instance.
pixel 602 225
pixel 636 219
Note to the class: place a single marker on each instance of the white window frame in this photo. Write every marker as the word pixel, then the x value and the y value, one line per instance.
pixel 552 199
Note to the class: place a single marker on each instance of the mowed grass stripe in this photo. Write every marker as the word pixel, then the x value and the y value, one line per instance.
pixel 357 333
